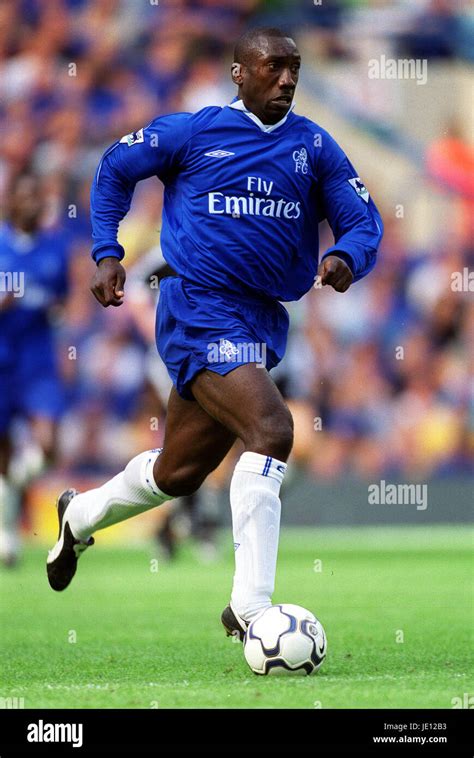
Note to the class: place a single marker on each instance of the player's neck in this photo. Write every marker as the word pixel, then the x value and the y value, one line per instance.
pixel 23 228
pixel 239 104
pixel 265 120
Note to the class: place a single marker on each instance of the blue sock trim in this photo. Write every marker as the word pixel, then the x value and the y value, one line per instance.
pixel 267 465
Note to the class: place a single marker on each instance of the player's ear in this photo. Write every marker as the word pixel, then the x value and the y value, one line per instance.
pixel 236 72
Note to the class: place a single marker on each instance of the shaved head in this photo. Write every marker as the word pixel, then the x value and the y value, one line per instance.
pixel 250 43
pixel 266 69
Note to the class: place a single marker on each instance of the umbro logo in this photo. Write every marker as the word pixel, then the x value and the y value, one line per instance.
pixel 219 154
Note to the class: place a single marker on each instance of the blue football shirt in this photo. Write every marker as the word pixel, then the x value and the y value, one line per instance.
pixel 33 277
pixel 242 203
pixel 33 272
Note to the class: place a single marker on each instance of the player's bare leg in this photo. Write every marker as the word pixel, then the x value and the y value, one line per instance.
pixel 197 443
pixel 248 403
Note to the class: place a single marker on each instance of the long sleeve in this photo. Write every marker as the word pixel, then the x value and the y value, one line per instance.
pixel 352 215
pixel 156 150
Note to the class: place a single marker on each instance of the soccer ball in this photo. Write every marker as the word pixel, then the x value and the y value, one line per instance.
pixel 285 639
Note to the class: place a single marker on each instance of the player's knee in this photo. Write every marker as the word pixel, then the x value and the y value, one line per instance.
pixel 181 481
pixel 272 435
pixel 178 486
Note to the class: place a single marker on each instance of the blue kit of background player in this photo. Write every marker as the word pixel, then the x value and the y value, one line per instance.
pixel 33 265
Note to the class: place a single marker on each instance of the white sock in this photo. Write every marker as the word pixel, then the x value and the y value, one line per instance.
pixel 9 518
pixel 131 492
pixel 27 464
pixel 256 507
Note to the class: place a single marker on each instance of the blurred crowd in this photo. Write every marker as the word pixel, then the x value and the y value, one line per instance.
pixel 377 379
pixel 385 368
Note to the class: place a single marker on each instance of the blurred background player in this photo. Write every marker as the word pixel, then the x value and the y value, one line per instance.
pixel 33 264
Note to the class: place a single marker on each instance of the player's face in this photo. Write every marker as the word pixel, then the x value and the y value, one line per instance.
pixel 26 204
pixel 269 82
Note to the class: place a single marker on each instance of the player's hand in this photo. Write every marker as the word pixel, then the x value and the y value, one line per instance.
pixel 336 272
pixel 108 282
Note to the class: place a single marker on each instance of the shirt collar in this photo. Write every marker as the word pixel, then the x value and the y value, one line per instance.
pixel 238 105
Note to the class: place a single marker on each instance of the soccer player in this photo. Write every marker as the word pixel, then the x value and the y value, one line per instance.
pixel 245 188
pixel 33 269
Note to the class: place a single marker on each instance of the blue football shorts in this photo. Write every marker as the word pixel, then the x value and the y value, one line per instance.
pixel 30 384
pixel 199 329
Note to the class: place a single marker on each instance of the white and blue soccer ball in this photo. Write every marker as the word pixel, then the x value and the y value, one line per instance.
pixel 284 640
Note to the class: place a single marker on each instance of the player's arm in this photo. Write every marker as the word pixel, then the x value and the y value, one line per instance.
pixel 153 151
pixel 353 217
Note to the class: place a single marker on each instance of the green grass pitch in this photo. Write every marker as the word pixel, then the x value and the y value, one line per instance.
pixel 395 603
